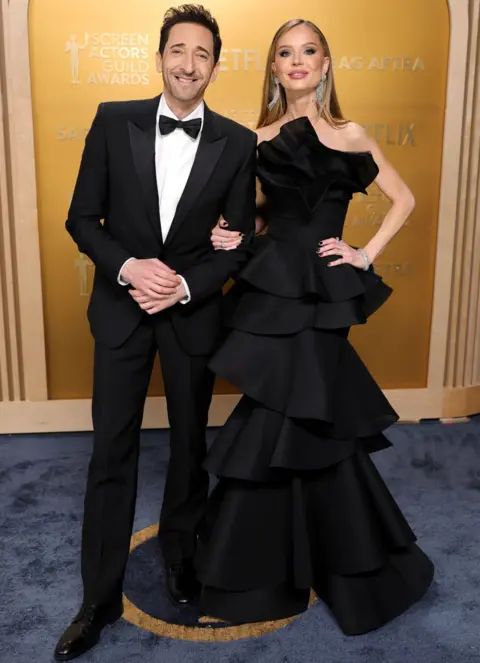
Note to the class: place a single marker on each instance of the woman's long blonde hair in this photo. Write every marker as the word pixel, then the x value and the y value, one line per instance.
pixel 329 110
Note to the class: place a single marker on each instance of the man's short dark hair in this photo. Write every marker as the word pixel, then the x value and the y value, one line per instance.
pixel 191 14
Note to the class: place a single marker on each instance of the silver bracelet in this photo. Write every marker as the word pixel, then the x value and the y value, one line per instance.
pixel 365 260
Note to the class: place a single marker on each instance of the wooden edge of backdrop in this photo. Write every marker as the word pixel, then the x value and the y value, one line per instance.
pixel 74 415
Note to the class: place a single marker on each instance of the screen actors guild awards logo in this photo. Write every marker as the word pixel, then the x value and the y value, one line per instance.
pixel 110 58
pixel 74 48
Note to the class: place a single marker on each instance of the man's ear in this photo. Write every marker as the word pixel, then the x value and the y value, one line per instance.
pixel 159 62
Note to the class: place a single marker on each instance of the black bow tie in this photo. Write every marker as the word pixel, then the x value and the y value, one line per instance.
pixel 169 124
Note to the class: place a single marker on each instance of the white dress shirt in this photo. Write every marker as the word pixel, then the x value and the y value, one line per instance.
pixel 174 157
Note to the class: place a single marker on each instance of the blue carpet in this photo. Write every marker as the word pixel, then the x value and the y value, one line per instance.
pixel 433 471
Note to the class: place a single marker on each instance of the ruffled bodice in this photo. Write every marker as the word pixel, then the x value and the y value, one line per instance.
pixel 308 187
pixel 307 184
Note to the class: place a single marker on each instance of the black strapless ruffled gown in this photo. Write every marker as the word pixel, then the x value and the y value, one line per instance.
pixel 299 504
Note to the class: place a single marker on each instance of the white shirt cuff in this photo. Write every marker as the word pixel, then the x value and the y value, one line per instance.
pixel 119 278
pixel 188 298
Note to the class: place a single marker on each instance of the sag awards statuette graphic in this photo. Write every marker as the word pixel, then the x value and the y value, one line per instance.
pixel 109 58
pixel 83 266
pixel 74 48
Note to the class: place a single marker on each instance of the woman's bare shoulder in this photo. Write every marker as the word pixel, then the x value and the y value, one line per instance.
pixel 356 137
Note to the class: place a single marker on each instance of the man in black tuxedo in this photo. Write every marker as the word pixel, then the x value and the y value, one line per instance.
pixel 159 173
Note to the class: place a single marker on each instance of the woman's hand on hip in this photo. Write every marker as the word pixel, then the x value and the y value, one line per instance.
pixel 347 255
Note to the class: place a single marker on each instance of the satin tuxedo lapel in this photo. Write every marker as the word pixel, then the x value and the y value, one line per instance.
pixel 142 130
pixel 211 146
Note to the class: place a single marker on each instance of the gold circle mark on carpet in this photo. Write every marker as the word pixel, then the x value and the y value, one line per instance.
pixel 203 632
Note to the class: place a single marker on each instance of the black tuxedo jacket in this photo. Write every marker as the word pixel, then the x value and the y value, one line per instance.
pixel 117 184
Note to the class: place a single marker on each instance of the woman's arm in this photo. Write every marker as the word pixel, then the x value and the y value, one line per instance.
pixel 392 185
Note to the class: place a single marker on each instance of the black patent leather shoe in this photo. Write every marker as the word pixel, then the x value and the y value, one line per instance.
pixel 84 631
pixel 182 583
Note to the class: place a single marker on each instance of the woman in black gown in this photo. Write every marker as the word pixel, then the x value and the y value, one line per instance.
pixel 299 504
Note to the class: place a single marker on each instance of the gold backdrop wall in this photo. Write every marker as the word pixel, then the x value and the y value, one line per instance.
pixel 391 71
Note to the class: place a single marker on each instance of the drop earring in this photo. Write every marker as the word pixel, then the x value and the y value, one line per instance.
pixel 320 91
pixel 276 94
